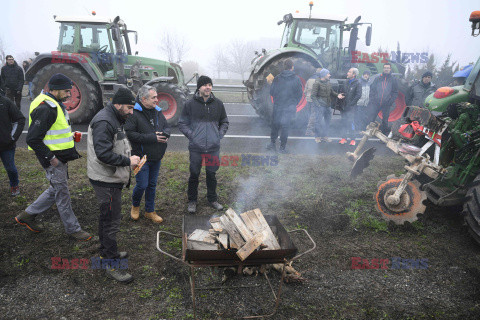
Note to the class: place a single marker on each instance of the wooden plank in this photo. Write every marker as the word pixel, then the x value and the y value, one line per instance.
pixel 256 222
pixel 251 245
pixel 217 226
pixel 200 245
pixel 198 235
pixel 242 228
pixel 222 239
pixel 228 226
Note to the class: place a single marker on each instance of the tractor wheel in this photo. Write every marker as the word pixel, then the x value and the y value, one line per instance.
pixel 84 101
pixel 261 99
pixel 410 205
pixel 171 99
pixel 471 210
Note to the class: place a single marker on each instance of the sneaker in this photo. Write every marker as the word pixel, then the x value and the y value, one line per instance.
pixel 192 207
pixel 121 255
pixel 216 205
pixel 119 275
pixel 28 220
pixel 271 147
pixel 343 141
pixel 81 235
pixel 15 191
pixel 352 143
pixel 326 139
pixel 318 139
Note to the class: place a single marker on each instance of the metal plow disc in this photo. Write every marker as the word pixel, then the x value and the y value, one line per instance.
pixel 411 200
pixel 362 162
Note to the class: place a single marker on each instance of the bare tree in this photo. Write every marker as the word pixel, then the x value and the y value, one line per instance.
pixel 174 46
pixel 190 68
pixel 3 47
pixel 220 62
pixel 240 55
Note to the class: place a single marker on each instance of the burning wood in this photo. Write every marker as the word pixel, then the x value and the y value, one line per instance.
pixel 247 233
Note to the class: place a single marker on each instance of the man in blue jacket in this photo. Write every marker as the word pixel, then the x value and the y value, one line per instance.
pixel 287 92
pixel 148 132
pixel 204 122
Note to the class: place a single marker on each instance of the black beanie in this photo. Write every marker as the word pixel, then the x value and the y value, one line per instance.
pixel 427 74
pixel 59 82
pixel 203 80
pixel 123 96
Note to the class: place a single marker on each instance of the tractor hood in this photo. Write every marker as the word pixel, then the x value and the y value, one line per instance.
pixel 260 61
pixel 438 103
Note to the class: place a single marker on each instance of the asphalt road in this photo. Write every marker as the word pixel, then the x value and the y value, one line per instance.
pixel 247 133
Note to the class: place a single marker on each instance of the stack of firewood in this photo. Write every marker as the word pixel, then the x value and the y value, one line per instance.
pixel 246 233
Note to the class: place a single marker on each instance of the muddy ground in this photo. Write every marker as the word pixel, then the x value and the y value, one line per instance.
pixel 310 192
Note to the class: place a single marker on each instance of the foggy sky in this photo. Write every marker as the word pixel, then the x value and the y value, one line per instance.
pixel 434 26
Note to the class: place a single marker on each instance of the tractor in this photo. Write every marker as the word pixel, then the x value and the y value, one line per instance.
pixel 316 42
pixel 95 53
pixel 445 170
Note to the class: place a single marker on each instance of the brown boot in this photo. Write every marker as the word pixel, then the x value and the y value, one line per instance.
pixel 135 213
pixel 153 216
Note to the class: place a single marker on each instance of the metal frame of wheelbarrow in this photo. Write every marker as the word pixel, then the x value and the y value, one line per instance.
pixel 229 263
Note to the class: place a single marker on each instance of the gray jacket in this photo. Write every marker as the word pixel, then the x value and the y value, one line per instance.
pixel 364 99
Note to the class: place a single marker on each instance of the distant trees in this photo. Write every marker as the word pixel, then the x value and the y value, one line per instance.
pixel 174 46
pixel 442 75
pixel 235 57
pixel 3 47
pixel 190 68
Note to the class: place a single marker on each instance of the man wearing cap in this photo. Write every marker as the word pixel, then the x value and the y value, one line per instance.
pixel 109 163
pixel 419 92
pixel 204 122
pixel 13 78
pixel 50 136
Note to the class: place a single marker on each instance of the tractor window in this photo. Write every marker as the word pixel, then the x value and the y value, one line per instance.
pixel 320 36
pixel 67 37
pixel 94 38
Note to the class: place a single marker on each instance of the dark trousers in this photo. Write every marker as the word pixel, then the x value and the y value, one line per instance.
pixel 15 97
pixel 348 125
pixel 146 183
pixel 281 124
pixel 110 200
pixel 385 115
pixel 211 161
pixel 8 159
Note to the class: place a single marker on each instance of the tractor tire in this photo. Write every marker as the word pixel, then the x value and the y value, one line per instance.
pixel 261 99
pixel 171 99
pixel 471 210
pixel 85 100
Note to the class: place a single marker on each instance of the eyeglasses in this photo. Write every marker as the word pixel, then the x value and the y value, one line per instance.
pixel 10 59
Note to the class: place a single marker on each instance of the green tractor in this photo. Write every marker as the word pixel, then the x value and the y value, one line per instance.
pixel 316 42
pixel 447 176
pixel 96 54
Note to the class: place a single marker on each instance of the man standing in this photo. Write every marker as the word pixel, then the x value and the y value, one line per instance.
pixel 50 136
pixel 310 105
pixel 353 92
pixel 286 91
pixel 322 97
pixel 148 131
pixel 383 92
pixel 419 92
pixel 109 165
pixel 204 122
pixel 12 75
pixel 360 115
pixel 12 122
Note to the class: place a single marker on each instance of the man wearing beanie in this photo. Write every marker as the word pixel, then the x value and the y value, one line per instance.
pixel 419 92
pixel 322 96
pixel 286 91
pixel 13 79
pixel 109 164
pixel 204 122
pixel 50 136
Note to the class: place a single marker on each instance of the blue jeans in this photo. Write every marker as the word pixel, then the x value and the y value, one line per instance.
pixel 8 159
pixel 146 182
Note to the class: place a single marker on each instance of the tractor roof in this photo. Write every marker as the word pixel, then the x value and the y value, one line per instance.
pixel 83 19
pixel 331 17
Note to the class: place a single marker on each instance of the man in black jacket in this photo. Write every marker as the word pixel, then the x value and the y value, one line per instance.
pixel 148 132
pixel 353 92
pixel 286 91
pixel 12 122
pixel 12 75
pixel 419 92
pixel 383 92
pixel 204 122
pixel 50 136
pixel 109 165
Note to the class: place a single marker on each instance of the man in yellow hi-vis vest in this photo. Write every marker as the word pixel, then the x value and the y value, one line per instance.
pixel 50 136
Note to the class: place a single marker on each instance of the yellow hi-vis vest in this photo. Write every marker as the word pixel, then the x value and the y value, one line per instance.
pixel 59 136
